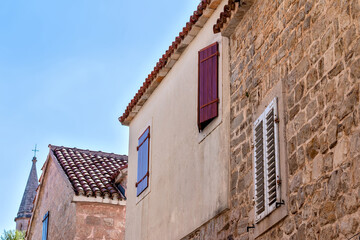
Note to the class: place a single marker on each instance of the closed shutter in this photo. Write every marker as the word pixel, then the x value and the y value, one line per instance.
pixel 208 85
pixel 266 162
pixel 143 162
pixel 45 226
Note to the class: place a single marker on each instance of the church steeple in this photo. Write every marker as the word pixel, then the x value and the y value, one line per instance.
pixel 24 213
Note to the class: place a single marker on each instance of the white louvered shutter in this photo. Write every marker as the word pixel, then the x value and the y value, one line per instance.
pixel 259 169
pixel 272 156
pixel 266 162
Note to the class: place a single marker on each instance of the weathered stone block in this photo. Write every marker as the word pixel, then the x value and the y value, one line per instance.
pixel 328 162
pixel 296 182
pixel 299 91
pixel 348 226
pixel 355 144
pixel 332 131
pixel 340 152
pixel 288 226
pixel 326 40
pixel 327 213
pixel 336 70
pixel 304 134
pixel 334 184
pixel 318 166
pixel 312 148
pixel 355 69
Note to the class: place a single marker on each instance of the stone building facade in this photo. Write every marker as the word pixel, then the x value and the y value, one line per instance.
pixel 307 54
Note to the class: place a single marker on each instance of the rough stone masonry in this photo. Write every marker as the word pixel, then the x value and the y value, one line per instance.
pixel 313 48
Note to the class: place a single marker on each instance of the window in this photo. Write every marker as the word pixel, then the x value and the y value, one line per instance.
pixel 266 162
pixel 143 162
pixel 121 189
pixel 45 226
pixel 208 99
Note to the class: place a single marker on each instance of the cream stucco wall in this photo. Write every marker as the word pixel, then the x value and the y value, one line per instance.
pixel 189 179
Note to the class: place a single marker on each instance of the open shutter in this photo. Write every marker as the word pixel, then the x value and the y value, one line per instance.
pixel 259 169
pixel 208 85
pixel 266 162
pixel 45 227
pixel 143 162
pixel 272 156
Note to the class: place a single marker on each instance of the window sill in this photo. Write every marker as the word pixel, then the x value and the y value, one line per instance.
pixel 209 129
pixel 143 195
pixel 269 221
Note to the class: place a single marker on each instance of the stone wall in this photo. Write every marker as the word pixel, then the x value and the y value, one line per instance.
pixel 313 49
pixel 22 223
pixel 55 196
pixel 100 221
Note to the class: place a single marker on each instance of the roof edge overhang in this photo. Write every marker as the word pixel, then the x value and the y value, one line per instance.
pixel 104 200
pixel 204 11
pixel 234 11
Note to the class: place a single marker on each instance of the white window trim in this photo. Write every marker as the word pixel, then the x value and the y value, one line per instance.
pixel 262 119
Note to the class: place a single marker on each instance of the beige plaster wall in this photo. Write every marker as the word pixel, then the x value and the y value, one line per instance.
pixel 100 221
pixel 189 181
pixel 55 196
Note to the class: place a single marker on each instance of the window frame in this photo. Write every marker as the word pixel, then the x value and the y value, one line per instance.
pixel 277 90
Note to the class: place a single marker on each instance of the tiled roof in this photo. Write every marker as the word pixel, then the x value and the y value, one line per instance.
pixel 91 173
pixel 234 11
pixel 175 49
pixel 224 15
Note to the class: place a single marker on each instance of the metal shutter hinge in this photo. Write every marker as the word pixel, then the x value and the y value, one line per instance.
pixel 249 227
pixel 278 204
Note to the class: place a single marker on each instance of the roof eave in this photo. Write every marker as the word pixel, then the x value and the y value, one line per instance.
pixel 232 14
pixel 168 60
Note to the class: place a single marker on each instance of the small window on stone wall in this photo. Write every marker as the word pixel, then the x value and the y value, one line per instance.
pixel 270 162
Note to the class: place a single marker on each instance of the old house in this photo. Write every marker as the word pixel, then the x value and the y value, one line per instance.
pixel 81 195
pixel 26 206
pixel 264 146
pixel 179 155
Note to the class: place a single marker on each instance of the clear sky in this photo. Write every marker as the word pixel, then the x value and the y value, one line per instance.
pixel 68 69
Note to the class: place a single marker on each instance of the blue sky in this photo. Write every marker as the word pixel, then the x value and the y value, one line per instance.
pixel 68 69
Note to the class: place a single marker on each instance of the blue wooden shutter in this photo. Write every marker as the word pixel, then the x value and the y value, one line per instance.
pixel 208 85
pixel 45 226
pixel 143 162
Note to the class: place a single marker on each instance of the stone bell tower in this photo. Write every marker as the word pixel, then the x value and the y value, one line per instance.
pixel 25 209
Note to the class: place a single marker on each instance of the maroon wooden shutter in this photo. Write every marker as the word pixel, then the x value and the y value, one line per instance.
pixel 208 85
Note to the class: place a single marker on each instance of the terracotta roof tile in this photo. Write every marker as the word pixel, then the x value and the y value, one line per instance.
pixel 91 173
pixel 224 15
pixel 165 57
